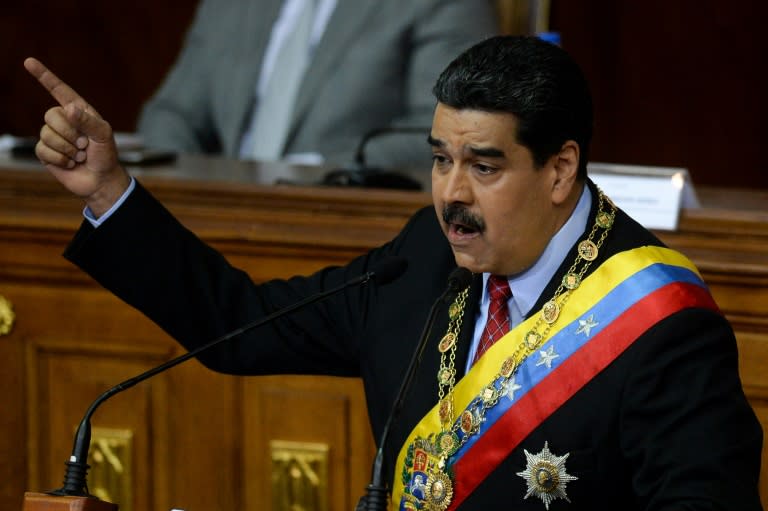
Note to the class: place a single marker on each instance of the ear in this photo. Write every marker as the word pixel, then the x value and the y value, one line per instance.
pixel 566 167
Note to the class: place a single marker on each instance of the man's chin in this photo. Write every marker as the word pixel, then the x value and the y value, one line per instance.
pixel 465 260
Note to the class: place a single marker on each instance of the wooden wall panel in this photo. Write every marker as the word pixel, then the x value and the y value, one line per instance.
pixel 117 52
pixel 674 83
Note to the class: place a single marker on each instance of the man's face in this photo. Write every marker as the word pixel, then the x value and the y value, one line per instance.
pixel 497 211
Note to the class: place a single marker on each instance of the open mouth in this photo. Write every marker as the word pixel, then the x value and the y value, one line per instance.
pixel 462 224
pixel 463 229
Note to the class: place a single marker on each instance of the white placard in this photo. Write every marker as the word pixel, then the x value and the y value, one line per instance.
pixel 651 195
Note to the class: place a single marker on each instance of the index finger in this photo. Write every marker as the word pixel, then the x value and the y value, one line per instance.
pixel 60 91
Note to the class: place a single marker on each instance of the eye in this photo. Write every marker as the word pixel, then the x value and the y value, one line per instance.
pixel 439 160
pixel 482 168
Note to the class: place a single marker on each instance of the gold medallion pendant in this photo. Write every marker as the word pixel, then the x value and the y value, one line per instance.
pixel 447 342
pixel 532 340
pixel 447 443
pixel 467 422
pixel 508 367
pixel 439 491
pixel 588 250
pixel 605 219
pixel 445 375
pixel 546 476
pixel 446 411
pixel 571 280
pixel 550 312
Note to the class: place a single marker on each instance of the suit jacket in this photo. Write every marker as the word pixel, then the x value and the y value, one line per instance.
pixel 374 67
pixel 666 423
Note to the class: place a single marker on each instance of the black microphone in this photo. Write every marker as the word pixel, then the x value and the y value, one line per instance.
pixel 376 492
pixel 75 484
pixel 361 175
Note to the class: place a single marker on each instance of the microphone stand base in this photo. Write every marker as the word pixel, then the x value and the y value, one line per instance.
pixel 376 498
pixel 45 502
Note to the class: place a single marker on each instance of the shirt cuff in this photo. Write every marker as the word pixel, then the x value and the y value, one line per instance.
pixel 88 214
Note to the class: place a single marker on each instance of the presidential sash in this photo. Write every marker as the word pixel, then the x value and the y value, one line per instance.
pixel 610 309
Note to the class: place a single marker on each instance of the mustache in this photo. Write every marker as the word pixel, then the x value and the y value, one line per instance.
pixel 458 214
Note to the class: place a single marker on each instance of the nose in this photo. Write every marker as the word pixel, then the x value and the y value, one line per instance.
pixel 453 185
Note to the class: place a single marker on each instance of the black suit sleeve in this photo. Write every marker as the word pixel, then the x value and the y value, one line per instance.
pixel 148 259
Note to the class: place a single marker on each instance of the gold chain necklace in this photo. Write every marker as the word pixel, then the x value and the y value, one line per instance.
pixel 439 487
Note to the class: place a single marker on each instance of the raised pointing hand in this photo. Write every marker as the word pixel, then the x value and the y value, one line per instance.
pixel 77 146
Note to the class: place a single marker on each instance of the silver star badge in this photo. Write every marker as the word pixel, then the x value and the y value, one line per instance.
pixel 547 356
pixel 586 325
pixel 546 476
pixel 510 387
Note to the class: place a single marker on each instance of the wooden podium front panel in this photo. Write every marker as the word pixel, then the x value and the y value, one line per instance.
pixel 286 420
pixel 202 440
pixel 34 501
pixel 79 343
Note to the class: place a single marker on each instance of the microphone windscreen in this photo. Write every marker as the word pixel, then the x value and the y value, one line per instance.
pixel 388 269
pixel 459 279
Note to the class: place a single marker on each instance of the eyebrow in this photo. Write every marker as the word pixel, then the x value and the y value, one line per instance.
pixel 488 152
pixel 435 142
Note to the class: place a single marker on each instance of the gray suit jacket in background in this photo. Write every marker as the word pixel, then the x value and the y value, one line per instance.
pixel 374 67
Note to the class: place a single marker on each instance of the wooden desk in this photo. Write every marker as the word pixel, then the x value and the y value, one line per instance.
pixel 194 439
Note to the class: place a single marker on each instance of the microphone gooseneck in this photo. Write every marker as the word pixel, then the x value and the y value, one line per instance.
pixel 75 484
pixel 376 492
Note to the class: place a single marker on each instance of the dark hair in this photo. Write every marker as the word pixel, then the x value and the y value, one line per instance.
pixel 536 81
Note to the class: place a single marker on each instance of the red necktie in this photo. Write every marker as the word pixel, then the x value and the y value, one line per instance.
pixel 498 314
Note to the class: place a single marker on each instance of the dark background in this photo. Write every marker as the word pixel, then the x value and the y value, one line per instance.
pixel 676 82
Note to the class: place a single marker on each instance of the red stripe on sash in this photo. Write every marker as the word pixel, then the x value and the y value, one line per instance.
pixel 533 408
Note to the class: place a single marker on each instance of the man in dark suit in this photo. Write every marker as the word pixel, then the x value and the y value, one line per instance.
pixel 585 366
pixel 371 65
